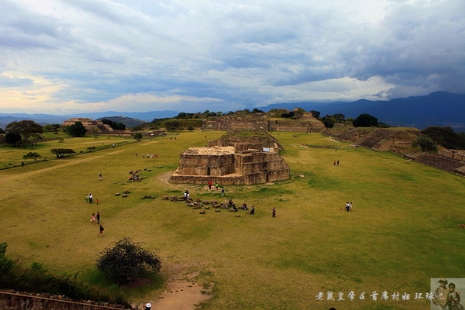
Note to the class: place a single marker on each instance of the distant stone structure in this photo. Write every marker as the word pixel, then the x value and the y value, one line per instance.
pixel 96 126
pixel 303 122
pixel 91 125
pixel 241 163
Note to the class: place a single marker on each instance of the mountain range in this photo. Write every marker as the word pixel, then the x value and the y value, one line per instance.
pixel 435 109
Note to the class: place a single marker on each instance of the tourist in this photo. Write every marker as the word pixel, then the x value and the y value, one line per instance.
pixel 101 229
pixel 453 298
pixel 217 185
pixel 100 177
pixel 222 191
pixel 440 295
pixel 273 212
pixel 148 306
pixel 252 210
pixel 98 216
pixel 244 206
pixel 90 198
pixel 92 218
pixel 210 183
pixel 347 206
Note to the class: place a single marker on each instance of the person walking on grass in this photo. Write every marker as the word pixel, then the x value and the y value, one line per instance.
pixel 273 212
pixel 101 229
pixel 98 217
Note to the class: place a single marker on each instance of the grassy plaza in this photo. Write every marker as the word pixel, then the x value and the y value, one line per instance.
pixel 402 231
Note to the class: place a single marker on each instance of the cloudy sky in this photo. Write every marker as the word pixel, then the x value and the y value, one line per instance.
pixel 68 56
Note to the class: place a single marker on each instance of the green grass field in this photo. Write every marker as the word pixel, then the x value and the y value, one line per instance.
pixel 403 229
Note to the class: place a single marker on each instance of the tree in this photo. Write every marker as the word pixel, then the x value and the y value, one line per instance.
pixel 25 129
pixel 339 117
pixel 95 132
pixel 316 114
pixel 60 153
pixel 12 138
pixel 444 136
pixel 114 125
pixel 76 130
pixel 328 121
pixel 127 261
pixel 426 143
pixel 138 136
pixel 52 127
pixel 32 155
pixel 365 120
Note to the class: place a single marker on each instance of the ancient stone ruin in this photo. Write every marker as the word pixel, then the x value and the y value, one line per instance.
pixel 228 162
pixel 305 122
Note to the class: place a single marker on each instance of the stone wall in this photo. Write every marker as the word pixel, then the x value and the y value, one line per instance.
pixel 309 125
pixel 214 165
pixel 453 154
pixel 235 124
pixel 306 124
pixel 248 166
pixel 18 301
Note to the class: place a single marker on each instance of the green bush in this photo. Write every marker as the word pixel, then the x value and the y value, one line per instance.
pixel 127 261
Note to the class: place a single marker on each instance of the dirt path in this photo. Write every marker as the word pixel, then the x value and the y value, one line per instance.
pixel 66 163
pixel 182 292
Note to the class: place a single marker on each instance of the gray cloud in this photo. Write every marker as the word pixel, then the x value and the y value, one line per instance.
pixel 95 55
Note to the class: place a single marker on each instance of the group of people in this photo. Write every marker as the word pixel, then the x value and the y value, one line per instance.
pixel 96 218
pixel 446 297
pixel 244 206
pixel 210 185
pixel 89 198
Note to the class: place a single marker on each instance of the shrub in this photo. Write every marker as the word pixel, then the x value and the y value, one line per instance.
pixel 426 143
pixel 127 261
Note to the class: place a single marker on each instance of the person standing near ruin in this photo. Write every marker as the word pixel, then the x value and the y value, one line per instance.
pixel 222 191
pixel 210 185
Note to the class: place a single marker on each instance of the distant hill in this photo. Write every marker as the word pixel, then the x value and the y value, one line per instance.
pixel 435 109
pixel 42 119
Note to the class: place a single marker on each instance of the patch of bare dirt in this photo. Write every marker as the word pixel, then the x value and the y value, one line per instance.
pixel 182 292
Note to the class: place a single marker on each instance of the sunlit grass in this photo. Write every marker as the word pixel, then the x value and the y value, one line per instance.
pixel 402 231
